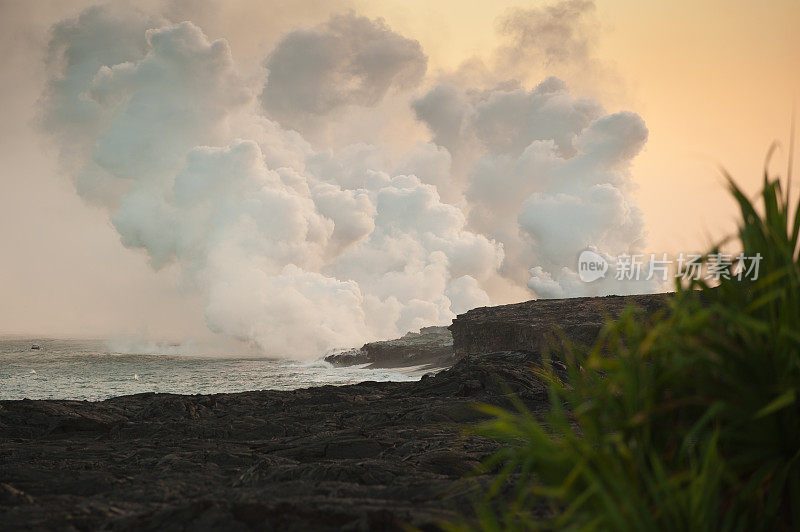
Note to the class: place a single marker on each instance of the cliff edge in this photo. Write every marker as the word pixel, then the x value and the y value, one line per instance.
pixel 528 326
pixel 431 347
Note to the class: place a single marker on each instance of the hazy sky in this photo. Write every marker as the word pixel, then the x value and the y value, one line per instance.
pixel 713 81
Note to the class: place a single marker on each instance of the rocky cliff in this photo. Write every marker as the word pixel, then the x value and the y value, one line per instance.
pixel 530 325
pixel 431 346
pixel 524 326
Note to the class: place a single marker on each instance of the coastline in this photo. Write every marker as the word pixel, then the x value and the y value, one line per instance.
pixel 374 455
pixel 363 456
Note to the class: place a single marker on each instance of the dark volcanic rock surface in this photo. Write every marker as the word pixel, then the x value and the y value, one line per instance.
pixel 349 357
pixel 360 457
pixel 371 456
pixel 530 325
pixel 524 326
pixel 431 346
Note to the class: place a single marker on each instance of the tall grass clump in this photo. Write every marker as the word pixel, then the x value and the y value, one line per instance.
pixel 688 419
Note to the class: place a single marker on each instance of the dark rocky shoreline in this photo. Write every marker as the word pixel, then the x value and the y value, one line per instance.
pixel 431 347
pixel 370 456
pixel 360 457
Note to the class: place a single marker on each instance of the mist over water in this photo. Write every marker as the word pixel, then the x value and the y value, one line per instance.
pixel 89 370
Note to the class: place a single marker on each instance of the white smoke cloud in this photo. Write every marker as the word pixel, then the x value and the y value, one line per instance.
pixel 78 49
pixel 465 293
pixel 349 60
pixel 552 35
pixel 297 249
pixel 551 179
pixel 176 97
pixel 295 313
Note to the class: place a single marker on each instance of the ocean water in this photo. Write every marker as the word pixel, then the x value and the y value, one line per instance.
pixel 92 370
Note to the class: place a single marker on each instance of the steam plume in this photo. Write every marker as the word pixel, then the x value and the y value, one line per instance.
pixel 297 248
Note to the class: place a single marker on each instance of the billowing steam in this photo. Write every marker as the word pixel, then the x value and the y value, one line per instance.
pixel 349 60
pixel 298 247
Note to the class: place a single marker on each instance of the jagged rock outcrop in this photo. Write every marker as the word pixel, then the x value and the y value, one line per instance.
pixel 347 357
pixel 530 325
pixel 431 346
